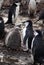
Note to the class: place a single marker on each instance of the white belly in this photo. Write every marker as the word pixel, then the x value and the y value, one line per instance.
pixel 23 35
pixel 17 11
pixel 13 19
pixel 16 14
pixel 24 32
pixel 35 34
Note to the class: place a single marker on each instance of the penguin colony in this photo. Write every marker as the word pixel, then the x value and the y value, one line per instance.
pixel 33 38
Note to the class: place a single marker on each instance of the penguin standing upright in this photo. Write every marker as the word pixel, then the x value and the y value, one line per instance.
pixel 28 33
pixel 11 13
pixel 32 7
pixel 37 48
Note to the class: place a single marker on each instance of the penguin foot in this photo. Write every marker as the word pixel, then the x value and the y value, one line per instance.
pixel 9 23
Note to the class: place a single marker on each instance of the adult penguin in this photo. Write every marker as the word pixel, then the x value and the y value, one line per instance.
pixel 37 48
pixel 32 8
pixel 11 13
pixel 28 33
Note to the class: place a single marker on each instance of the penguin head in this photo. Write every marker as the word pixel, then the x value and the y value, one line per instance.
pixel 39 32
pixel 29 23
pixel 14 4
pixel 17 3
pixel 35 33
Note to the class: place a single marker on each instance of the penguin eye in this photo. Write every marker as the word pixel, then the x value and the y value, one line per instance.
pixel 0 21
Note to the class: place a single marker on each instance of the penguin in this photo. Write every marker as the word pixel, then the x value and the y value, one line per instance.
pixel 37 48
pixel 13 39
pixel 11 13
pixel 32 8
pixel 28 33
